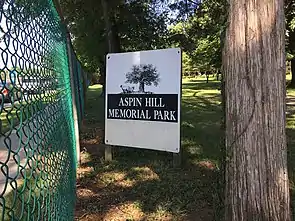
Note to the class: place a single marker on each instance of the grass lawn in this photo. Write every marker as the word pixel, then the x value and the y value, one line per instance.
pixel 142 184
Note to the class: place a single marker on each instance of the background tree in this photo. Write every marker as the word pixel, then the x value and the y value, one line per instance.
pixel 257 186
pixel 198 29
pixel 290 36
pixel 143 75
pixel 134 25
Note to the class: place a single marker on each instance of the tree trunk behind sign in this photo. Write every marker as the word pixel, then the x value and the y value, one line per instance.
pixel 256 184
pixel 112 35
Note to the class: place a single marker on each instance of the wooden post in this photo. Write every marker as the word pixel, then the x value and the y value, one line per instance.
pixel 177 156
pixel 108 149
pixel 108 153
pixel 176 160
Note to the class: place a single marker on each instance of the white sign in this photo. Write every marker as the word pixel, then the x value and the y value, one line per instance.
pixel 143 98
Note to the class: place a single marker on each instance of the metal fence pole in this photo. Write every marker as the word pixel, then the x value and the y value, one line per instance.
pixel 75 113
pixel 70 57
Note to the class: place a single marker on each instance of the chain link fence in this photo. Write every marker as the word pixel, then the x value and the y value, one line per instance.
pixel 80 82
pixel 38 157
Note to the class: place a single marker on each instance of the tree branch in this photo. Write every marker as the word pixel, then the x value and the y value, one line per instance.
pixel 191 1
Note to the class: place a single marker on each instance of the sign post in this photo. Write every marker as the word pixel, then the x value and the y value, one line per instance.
pixel 143 99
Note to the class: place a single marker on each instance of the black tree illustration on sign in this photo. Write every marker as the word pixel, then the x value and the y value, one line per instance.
pixel 144 74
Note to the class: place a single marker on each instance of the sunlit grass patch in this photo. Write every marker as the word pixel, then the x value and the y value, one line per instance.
pixel 127 211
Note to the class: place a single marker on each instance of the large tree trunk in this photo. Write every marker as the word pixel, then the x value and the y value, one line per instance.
pixel 107 22
pixel 111 28
pixel 116 44
pixel 112 34
pixel 256 185
pixel 207 76
pixel 102 79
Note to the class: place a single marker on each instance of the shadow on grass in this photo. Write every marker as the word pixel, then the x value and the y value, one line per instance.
pixel 200 84
pixel 291 166
pixel 291 143
pixel 201 126
pixel 142 184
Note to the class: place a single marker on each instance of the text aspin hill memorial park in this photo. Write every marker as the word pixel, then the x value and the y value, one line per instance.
pixel 150 107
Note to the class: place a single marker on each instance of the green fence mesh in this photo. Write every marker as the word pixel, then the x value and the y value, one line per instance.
pixel 79 81
pixel 37 143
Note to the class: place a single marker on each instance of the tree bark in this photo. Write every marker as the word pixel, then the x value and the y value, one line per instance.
pixel 111 28
pixel 256 185
pixel 102 78
pixel 116 44
pixel 108 25
pixel 112 34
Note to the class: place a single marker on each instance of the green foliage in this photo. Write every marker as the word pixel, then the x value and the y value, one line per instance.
pixel 143 25
pixel 199 33
pixel 187 63
pixel 30 8
pixel 290 25
pixel 197 27
pixel 138 25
